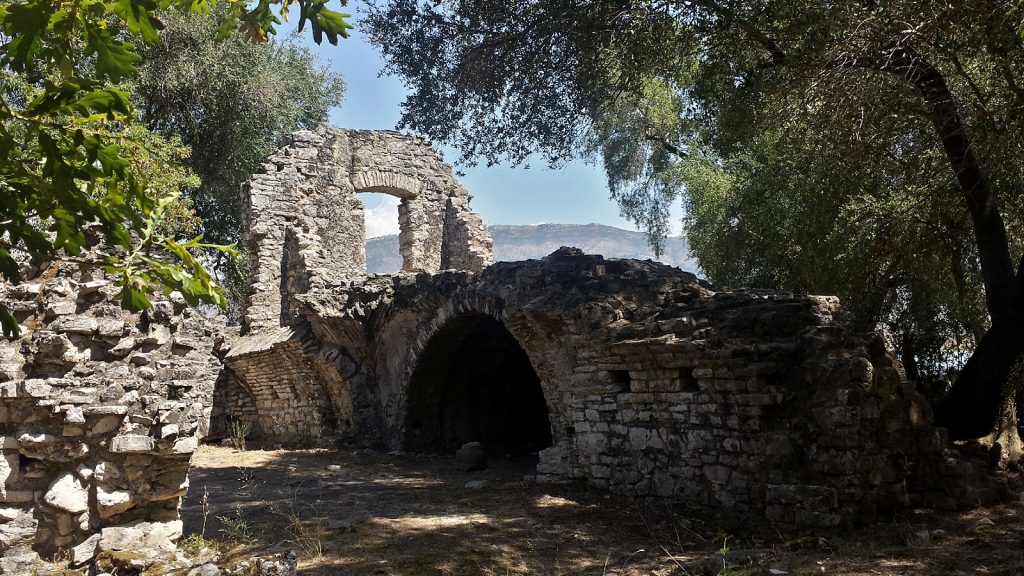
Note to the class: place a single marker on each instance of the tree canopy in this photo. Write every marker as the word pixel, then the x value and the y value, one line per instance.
pixel 73 156
pixel 869 149
pixel 230 101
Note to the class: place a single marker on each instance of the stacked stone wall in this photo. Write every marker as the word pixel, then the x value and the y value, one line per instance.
pixel 305 222
pixel 100 412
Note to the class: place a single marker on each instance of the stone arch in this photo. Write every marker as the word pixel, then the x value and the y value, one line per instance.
pixel 404 335
pixel 307 192
pixel 407 189
pixel 391 182
pixel 471 379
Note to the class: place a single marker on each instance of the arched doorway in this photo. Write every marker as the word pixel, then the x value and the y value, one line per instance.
pixel 474 382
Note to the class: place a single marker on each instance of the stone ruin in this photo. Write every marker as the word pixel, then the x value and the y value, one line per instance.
pixel 626 375
pixel 100 411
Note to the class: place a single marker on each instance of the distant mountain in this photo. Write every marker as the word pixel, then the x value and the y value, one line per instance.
pixel 513 243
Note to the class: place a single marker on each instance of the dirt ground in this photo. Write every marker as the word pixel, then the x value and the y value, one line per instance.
pixel 360 512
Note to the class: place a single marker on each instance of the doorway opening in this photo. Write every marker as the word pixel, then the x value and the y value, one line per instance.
pixel 474 382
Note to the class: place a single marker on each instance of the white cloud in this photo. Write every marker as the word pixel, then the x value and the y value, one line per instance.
pixel 382 219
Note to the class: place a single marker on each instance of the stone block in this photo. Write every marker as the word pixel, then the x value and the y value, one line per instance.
pixel 141 536
pixel 111 502
pixel 10 469
pixel 85 551
pixel 471 457
pixel 185 445
pixel 17 496
pixel 74 325
pixel 131 443
pixel 67 493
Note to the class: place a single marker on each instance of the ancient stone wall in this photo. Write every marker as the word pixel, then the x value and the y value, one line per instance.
pixel 649 382
pixel 655 384
pixel 305 225
pixel 100 411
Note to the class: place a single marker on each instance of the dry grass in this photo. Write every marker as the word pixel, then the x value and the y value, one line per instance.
pixel 404 515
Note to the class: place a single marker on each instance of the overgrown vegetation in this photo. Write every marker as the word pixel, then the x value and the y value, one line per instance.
pixel 861 149
pixel 238 431
pixel 74 156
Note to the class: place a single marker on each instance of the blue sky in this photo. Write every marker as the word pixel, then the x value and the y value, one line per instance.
pixel 575 194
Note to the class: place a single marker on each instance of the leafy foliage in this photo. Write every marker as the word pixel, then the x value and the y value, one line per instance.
pixel 71 156
pixel 869 150
pixel 230 101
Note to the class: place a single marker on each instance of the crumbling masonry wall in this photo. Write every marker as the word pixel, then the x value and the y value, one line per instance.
pixel 656 384
pixel 305 224
pixel 100 411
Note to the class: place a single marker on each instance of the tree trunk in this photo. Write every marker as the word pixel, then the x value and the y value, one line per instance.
pixel 1006 447
pixel 972 408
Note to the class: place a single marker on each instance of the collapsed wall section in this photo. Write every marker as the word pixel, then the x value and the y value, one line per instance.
pixel 100 411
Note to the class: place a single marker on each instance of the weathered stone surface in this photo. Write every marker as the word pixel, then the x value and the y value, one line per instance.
pixel 132 443
pixel 68 494
pixel 303 210
pixel 205 570
pixel 112 502
pixel 141 537
pixel 85 551
pixel 71 403
pixel 471 457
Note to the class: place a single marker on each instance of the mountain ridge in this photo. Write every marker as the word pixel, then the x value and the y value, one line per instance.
pixel 523 242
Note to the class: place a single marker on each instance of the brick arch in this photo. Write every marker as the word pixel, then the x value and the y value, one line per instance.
pixel 400 184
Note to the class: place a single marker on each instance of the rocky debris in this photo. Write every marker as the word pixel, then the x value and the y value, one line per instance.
pixel 95 430
pixel 471 457
pixel 265 564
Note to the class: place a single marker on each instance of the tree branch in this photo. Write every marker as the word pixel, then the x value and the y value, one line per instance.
pixel 668 146
pixel 755 34
pixel 997 268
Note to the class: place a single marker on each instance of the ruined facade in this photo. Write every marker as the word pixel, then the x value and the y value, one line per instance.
pixel 631 376
pixel 628 375
pixel 305 225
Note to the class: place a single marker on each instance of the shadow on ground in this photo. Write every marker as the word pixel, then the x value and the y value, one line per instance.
pixel 357 512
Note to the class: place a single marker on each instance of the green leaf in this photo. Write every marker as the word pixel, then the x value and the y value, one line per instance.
pixel 25 24
pixel 115 59
pixel 324 21
pixel 8 322
pixel 193 6
pixel 139 16
pixel 133 298
pixel 109 101
pixel 8 267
